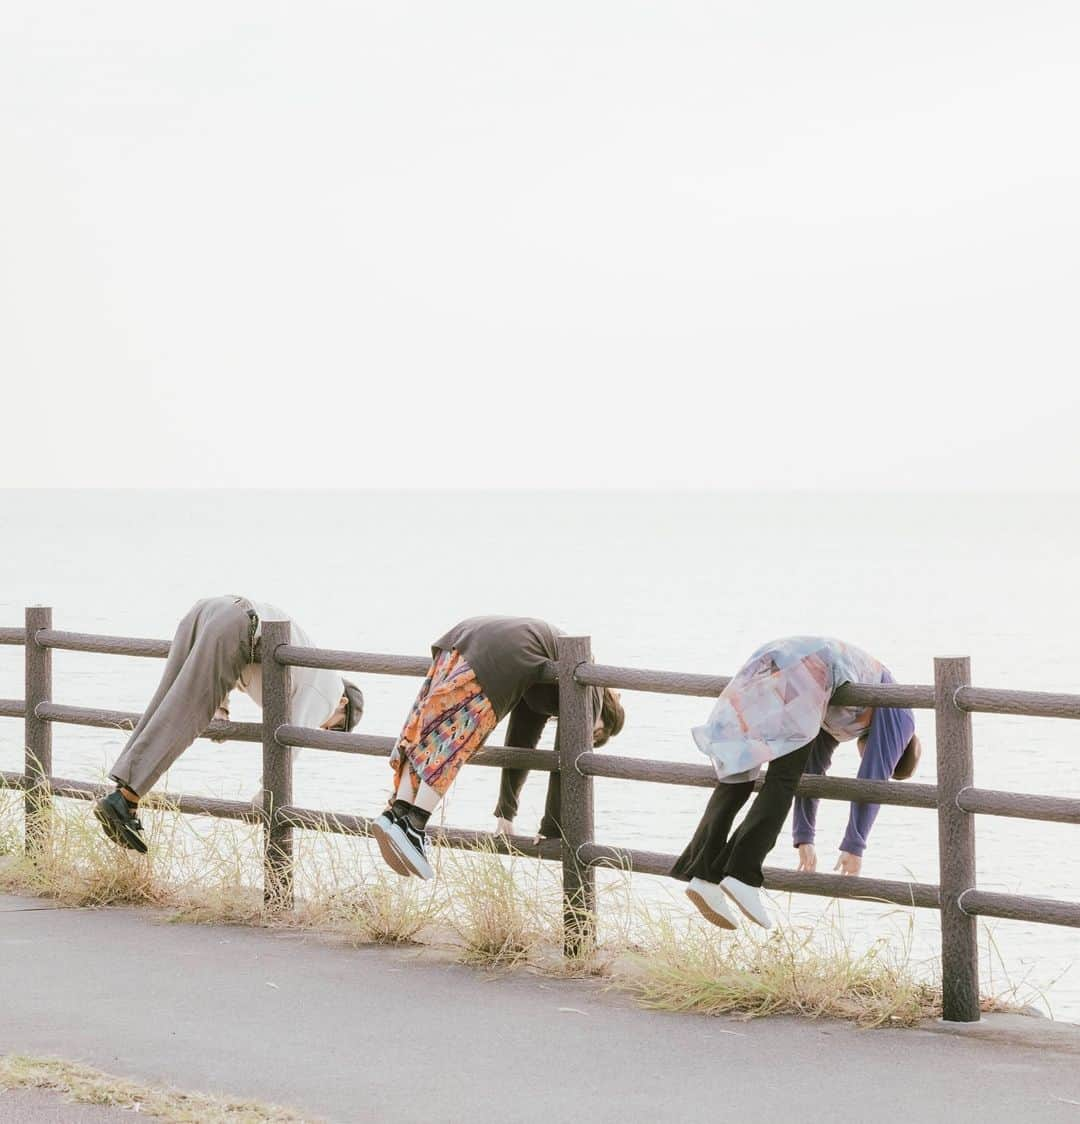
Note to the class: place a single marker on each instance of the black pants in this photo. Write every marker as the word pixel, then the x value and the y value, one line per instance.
pixel 527 722
pixel 716 851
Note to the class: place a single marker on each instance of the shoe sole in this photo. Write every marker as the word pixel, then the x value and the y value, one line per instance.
pixel 116 830
pixel 766 924
pixel 389 854
pixel 710 914
pixel 408 854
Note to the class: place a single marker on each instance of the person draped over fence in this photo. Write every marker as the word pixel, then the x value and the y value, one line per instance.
pixel 483 669
pixel 217 647
pixel 778 711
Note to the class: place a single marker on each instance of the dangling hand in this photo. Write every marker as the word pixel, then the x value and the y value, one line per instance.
pixel 807 857
pixel 220 715
pixel 504 826
pixel 848 864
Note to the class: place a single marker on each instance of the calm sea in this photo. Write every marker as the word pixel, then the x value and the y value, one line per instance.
pixel 678 581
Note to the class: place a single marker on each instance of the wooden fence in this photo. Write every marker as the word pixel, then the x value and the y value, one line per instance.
pixel 955 796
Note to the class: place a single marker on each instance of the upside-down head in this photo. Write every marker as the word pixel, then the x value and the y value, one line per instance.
pixel 612 718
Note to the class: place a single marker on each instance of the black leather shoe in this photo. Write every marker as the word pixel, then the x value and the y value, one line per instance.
pixel 120 822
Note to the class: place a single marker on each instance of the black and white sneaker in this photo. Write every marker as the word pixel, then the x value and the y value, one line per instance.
pixel 380 830
pixel 121 824
pixel 408 845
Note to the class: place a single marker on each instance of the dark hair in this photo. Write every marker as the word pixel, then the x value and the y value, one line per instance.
pixel 909 760
pixel 354 703
pixel 612 718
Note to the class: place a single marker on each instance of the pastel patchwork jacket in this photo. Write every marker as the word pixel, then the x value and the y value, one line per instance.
pixel 778 702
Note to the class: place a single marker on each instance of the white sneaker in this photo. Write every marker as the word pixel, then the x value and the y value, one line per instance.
pixel 749 900
pixel 710 900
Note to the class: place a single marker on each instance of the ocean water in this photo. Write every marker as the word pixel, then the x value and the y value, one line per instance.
pixel 683 581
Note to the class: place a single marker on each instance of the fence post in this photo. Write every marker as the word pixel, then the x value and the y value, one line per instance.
pixel 37 770
pixel 276 769
pixel 956 844
pixel 576 811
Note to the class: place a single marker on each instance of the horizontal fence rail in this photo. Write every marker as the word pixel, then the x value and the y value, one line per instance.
pixel 709 686
pixel 1018 805
pixel 1029 704
pixel 127 719
pixel 110 645
pixel 372 663
pixel 787 881
pixel 191 805
pixel 312 819
pixel 369 745
pixel 955 799
pixel 1014 907
pixel 702 776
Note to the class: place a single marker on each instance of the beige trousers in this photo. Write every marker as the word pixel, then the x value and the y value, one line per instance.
pixel 212 645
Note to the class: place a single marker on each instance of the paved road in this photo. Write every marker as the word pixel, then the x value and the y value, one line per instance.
pixel 376 1034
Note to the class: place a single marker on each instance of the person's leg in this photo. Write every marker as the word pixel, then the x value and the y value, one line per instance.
pixel 436 762
pixel 117 811
pixel 407 781
pixel 426 798
pixel 449 721
pixel 702 857
pixel 182 642
pixel 551 824
pixel 755 837
pixel 523 731
pixel 217 648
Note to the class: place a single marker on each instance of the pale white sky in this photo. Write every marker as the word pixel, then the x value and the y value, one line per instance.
pixel 747 245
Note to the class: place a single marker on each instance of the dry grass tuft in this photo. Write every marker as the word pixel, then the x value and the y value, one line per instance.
pixel 206 869
pixel 82 1085
pixel 344 888
pixel 503 908
pixel 81 868
pixel 11 838
pixel 794 970
pixel 385 909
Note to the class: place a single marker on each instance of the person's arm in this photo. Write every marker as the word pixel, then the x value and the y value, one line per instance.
pixel 804 816
pixel 222 712
pixel 890 731
pixel 524 730
pixel 222 715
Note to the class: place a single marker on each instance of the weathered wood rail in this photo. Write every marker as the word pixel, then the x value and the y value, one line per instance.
pixel 955 797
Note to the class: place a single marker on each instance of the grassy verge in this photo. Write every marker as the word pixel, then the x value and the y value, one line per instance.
pixel 83 1085
pixel 488 910
pixel 504 911
pixel 197 866
pixel 793 970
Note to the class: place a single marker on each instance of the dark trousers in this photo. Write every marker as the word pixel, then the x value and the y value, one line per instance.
pixel 715 851
pixel 527 722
